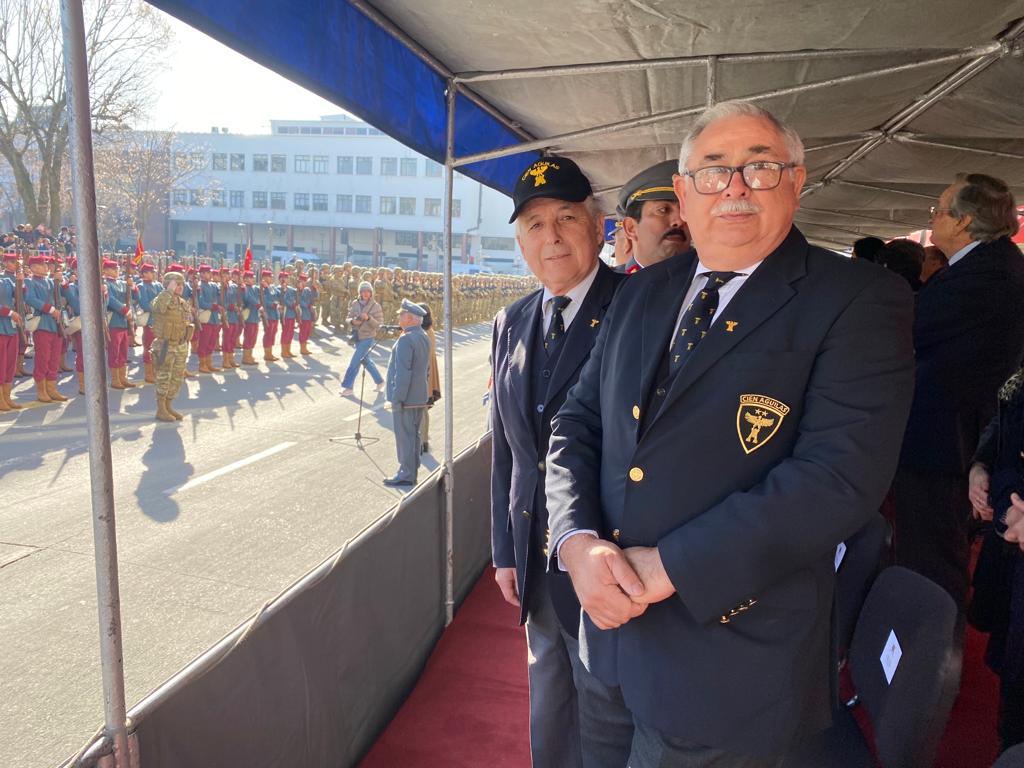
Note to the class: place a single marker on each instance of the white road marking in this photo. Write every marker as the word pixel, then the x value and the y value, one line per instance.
pixel 229 468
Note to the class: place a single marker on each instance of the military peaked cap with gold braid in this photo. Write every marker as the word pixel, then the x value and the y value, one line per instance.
pixel 654 183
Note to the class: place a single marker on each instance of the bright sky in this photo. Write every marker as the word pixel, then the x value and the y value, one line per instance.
pixel 207 84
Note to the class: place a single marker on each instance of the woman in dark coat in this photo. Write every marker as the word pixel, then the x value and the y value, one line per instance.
pixel 997 494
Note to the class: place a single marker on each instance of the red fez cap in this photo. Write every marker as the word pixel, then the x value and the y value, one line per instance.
pixel 147 267
pixel 176 268
pixel 248 273
pixel 281 274
pixel 235 271
pixel 303 276
pixel 109 264
pixel 36 258
pixel 205 268
pixel 266 273
pixel 11 256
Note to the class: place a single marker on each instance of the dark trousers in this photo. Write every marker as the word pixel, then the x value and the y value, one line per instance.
pixel 932 523
pixel 613 738
pixel 1011 714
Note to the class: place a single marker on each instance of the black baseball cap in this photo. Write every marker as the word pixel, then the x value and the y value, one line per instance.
pixel 553 176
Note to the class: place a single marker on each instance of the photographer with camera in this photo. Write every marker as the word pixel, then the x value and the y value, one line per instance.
pixel 364 318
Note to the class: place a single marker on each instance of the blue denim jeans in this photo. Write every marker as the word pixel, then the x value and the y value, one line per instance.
pixel 361 355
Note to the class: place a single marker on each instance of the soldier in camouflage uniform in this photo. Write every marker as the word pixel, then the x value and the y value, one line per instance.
pixel 172 329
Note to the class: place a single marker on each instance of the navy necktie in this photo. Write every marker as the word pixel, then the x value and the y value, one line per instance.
pixel 556 329
pixel 696 320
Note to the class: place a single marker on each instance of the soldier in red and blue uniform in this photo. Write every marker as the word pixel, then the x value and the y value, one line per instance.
pixel 251 320
pixel 40 295
pixel 232 313
pixel 73 303
pixel 289 303
pixel 307 301
pixel 10 335
pixel 11 264
pixel 119 307
pixel 208 299
pixel 270 296
pixel 149 289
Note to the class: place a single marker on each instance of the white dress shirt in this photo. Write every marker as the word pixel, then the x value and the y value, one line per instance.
pixel 963 252
pixel 577 294
pixel 725 295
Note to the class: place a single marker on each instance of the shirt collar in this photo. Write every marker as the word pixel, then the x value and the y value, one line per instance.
pixel 579 291
pixel 963 252
pixel 746 271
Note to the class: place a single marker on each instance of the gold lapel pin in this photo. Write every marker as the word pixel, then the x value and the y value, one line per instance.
pixel 594 322
pixel 730 325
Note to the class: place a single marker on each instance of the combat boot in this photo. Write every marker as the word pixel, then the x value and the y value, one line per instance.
pixel 5 394
pixel 204 367
pixel 124 378
pixel 51 390
pixel 63 367
pixel 81 383
pixel 170 410
pixel 150 374
pixel 20 371
pixel 115 379
pixel 228 361
pixel 268 355
pixel 303 350
pixel 4 407
pixel 162 414
pixel 41 394
pixel 210 366
pixel 286 351
pixel 247 358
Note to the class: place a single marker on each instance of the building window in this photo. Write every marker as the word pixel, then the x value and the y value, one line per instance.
pixel 432 169
pixel 343 203
pixel 407 238
pixel 456 209
pixel 259 199
pixel 259 162
pixel 408 166
pixel 217 198
pixel 220 161
pixel 179 197
pixel 320 201
pixel 387 206
pixel 319 163
pixel 389 166
pixel 363 204
pixel 302 163
pixel 407 206
pixel 195 197
pixel 237 199
pixel 309 130
pixel 498 243
pixel 301 201
pixel 278 163
pixel 198 161
pixel 277 201
pixel 237 162
pixel 432 206
pixel 364 166
pixel 345 164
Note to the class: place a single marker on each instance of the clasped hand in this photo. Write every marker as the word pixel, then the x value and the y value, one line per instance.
pixel 612 584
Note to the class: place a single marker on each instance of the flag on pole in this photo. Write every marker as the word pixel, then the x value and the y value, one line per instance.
pixel 138 251
pixel 247 264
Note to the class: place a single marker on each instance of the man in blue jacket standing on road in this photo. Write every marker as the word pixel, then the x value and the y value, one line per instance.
pixel 407 390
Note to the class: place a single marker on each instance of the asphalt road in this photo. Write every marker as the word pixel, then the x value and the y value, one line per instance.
pixel 214 516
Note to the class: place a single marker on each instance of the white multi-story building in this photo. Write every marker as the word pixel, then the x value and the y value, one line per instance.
pixel 333 190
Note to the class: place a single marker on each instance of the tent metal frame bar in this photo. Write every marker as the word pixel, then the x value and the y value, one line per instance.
pixel 659 117
pixel 101 477
pixel 877 188
pixel 833 227
pixel 915 139
pixel 449 371
pixel 670 62
pixel 865 217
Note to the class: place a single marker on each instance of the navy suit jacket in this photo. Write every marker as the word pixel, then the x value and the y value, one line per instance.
pixel 968 336
pixel 517 451
pixel 814 351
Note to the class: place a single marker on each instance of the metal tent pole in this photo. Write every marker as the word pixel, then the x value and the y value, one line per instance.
pixel 100 471
pixel 449 336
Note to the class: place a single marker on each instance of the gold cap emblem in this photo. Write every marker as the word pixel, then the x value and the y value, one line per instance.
pixel 537 170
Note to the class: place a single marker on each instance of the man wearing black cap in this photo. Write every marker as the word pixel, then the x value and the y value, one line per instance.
pixel 651 218
pixel 539 346
pixel 407 391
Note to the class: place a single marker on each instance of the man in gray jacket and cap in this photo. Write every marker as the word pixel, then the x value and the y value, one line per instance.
pixel 407 390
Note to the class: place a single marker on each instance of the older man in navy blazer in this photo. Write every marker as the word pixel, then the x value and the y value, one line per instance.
pixel 540 344
pixel 740 415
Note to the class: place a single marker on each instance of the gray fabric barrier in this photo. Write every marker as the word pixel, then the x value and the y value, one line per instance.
pixel 316 682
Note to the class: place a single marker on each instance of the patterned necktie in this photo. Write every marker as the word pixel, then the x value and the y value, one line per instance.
pixel 696 320
pixel 556 329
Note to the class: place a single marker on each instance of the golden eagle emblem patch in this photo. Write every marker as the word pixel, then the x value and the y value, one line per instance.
pixel 758 420
pixel 537 170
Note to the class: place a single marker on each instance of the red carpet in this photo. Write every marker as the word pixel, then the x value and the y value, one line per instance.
pixel 470 707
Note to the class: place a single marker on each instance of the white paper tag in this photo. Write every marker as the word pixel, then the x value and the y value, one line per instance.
pixel 891 656
pixel 840 554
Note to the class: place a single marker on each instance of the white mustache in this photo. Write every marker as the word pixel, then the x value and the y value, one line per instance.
pixel 734 206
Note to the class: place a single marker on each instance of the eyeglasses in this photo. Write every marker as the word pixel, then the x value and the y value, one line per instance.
pixel 936 210
pixel 761 175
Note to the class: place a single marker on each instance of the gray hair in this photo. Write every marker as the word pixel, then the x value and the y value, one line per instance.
pixel 794 144
pixel 989 203
pixel 366 286
pixel 590 203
